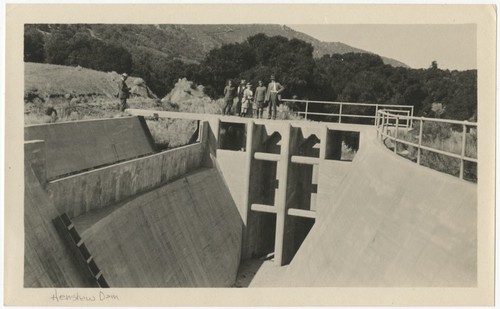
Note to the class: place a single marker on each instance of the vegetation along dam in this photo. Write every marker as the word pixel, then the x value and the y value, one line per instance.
pixel 314 203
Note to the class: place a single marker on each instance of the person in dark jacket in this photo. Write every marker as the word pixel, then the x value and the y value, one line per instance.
pixel 123 92
pixel 260 97
pixel 228 98
pixel 273 96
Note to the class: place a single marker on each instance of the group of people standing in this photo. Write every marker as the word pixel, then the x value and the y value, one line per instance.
pixel 248 100
pixel 252 102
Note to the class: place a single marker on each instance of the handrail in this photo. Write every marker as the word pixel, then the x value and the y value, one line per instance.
pixel 431 119
pixel 382 123
pixel 405 108
pixel 345 103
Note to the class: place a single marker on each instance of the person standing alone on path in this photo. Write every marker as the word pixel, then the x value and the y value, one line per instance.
pixel 123 92
pixel 272 96
pixel 260 97
pixel 228 98
pixel 241 89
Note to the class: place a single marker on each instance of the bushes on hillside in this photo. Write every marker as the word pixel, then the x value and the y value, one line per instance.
pixel 69 45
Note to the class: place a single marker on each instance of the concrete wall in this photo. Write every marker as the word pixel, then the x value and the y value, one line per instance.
pixel 47 261
pixel 232 165
pixel 80 145
pixel 260 231
pixel 299 191
pixel 261 227
pixel 403 230
pixel 101 187
pixel 184 234
pixel 331 174
pixel 389 225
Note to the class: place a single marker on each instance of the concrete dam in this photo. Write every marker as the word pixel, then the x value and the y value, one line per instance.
pixel 104 208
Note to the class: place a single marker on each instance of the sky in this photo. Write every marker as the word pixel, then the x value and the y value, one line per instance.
pixel 452 46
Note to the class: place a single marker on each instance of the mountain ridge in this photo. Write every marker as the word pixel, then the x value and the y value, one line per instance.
pixel 320 48
pixel 191 43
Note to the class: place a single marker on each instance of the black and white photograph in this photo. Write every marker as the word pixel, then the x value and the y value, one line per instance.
pixel 241 155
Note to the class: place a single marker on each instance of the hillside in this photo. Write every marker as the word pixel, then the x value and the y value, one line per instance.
pixel 191 43
pixel 213 36
pixel 160 54
pixel 44 81
pixel 163 54
pixel 77 93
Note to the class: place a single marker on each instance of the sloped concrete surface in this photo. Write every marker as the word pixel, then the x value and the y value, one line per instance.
pixel 184 234
pixel 47 262
pixel 391 223
pixel 80 145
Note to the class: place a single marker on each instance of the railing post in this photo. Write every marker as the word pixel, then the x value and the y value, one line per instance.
pixel 396 135
pixel 419 151
pixel 340 113
pixel 383 125
pixel 462 155
pixel 307 107
pixel 411 120
pixel 385 120
pixel 386 123
pixel 376 114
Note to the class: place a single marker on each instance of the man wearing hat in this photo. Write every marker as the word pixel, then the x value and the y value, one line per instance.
pixel 272 96
pixel 123 92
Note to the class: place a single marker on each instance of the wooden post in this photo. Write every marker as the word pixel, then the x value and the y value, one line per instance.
pixel 376 115
pixel 340 113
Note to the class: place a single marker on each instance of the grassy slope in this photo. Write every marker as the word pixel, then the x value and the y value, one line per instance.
pixel 76 93
pixel 58 80
pixel 81 94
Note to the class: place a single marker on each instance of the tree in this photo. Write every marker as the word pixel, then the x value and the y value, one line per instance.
pixel 73 45
pixel 33 45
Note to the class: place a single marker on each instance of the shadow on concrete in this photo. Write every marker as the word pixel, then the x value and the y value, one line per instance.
pixel 248 269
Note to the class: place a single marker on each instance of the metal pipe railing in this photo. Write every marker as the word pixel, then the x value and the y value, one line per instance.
pixel 407 109
pixel 382 123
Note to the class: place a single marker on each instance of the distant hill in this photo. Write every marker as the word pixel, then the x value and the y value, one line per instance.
pixel 215 35
pixel 191 43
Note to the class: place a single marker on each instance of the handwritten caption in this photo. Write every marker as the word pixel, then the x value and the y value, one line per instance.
pixel 100 296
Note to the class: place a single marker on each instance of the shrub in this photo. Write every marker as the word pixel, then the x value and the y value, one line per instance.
pixel 441 136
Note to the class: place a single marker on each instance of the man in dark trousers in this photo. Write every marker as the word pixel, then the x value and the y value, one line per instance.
pixel 123 92
pixel 272 96
pixel 241 89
